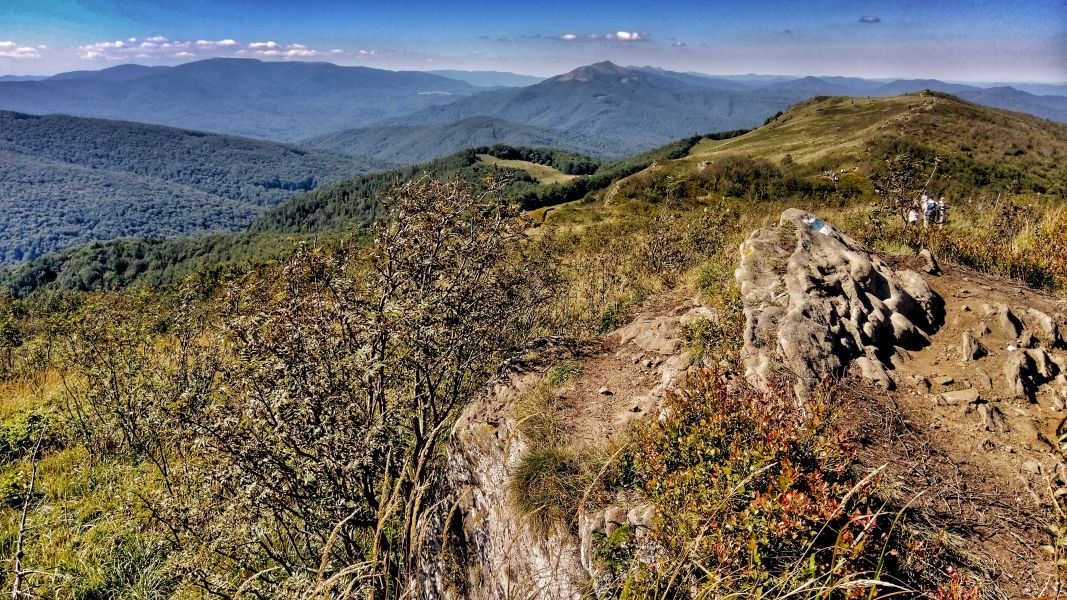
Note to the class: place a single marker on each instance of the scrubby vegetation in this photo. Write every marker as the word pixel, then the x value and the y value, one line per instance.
pixel 272 430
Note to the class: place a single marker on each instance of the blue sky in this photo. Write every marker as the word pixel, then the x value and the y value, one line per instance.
pixel 979 40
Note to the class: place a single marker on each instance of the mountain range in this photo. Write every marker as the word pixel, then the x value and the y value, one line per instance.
pixel 283 101
pixel 356 109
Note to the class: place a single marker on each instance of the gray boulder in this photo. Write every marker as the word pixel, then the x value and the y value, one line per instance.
pixel 815 301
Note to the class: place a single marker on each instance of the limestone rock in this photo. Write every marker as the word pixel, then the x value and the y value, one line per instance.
pixel 816 300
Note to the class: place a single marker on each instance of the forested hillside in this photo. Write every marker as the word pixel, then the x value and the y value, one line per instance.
pixel 69 180
pixel 409 144
pixel 343 206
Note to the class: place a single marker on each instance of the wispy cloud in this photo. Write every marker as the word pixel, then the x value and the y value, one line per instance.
pixel 162 48
pixel 11 49
pixel 870 19
pixel 618 36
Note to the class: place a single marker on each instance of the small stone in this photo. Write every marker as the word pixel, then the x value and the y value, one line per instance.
pixel 1047 329
pixel 958 397
pixel 933 268
pixel 971 348
pixel 648 363
pixel 636 408
pixel 965 308
pixel 1043 365
pixel 944 380
pixel 992 419
pixel 1009 324
pixel 1026 340
pixel 604 391
pixel 988 445
pixel 1017 371
pixel 1033 467
pixel 982 330
pixel 983 380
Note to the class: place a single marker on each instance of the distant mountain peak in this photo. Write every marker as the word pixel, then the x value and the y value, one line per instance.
pixel 595 70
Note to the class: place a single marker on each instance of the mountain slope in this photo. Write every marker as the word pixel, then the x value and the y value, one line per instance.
pixel 407 144
pixel 636 104
pixel 276 100
pixel 839 132
pixel 69 180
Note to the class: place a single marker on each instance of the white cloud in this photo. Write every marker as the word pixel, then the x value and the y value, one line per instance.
pixel 618 36
pixel 12 49
pixel 163 49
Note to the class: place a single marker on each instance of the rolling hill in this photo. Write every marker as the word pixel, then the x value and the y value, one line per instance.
pixel 274 100
pixel 981 148
pixel 69 180
pixel 408 144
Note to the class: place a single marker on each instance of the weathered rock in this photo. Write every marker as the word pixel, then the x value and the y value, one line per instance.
pixel 1018 372
pixel 653 334
pixel 1033 467
pixel 477 520
pixel 958 397
pixel 1026 340
pixel 816 300
pixel 1007 322
pixel 971 348
pixel 604 391
pixel 929 262
pixel 1044 369
pixel 982 330
pixel 992 418
pixel 1047 330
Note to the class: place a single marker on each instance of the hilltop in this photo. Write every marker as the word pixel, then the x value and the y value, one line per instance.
pixel 846 134
pixel 645 107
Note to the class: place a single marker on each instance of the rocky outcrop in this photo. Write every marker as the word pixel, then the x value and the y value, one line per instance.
pixel 817 302
pixel 483 547
pixel 478 543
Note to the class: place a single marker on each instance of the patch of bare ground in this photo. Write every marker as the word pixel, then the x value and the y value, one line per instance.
pixel 625 375
pixel 968 453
